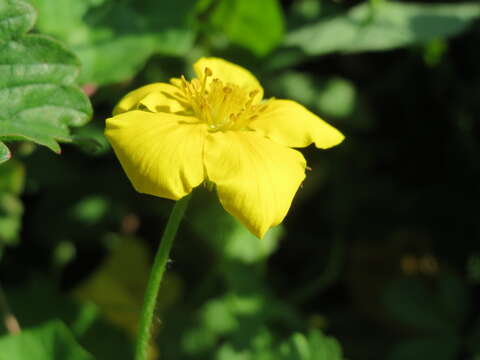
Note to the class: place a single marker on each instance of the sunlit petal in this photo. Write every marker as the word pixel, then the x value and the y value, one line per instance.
pixel 255 178
pixel 228 72
pixel 161 102
pixel 291 124
pixel 163 98
pixel 160 153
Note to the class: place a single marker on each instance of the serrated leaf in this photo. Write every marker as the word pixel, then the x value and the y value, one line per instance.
pixel 52 341
pixel 16 18
pixel 39 100
pixel 386 26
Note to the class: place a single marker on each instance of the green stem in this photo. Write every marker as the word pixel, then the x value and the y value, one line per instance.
pixel 161 259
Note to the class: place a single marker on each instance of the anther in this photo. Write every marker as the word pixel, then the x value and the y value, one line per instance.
pixel 262 108
pixel 253 93
pixel 208 72
pixel 227 90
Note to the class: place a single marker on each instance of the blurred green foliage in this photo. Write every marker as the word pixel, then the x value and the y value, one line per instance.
pixel 48 342
pixel 383 25
pixel 380 251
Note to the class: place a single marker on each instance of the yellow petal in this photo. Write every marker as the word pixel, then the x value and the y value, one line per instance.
pixel 159 102
pixel 228 72
pixel 133 98
pixel 160 153
pixel 291 124
pixel 255 178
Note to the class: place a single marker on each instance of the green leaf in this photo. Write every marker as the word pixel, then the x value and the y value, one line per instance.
pixel 39 100
pixel 387 25
pixel 255 25
pixel 52 341
pixel 114 39
pixel 16 18
pixel 84 319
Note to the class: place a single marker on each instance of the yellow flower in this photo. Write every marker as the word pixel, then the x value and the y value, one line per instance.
pixel 216 128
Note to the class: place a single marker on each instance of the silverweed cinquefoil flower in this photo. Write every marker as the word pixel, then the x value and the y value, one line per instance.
pixel 216 128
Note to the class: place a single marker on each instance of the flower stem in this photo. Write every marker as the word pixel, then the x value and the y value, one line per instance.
pixel 156 275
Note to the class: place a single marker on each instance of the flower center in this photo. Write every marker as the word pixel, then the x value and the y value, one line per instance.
pixel 222 106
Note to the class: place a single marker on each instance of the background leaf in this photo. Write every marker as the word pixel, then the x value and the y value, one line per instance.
pixel 257 26
pixel 84 320
pixel 386 26
pixel 51 341
pixel 112 39
pixel 12 179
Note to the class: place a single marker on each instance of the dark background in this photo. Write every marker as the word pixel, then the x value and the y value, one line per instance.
pixel 379 250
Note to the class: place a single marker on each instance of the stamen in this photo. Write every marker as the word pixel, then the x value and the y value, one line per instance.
pixel 184 82
pixel 223 106
pixel 196 84
pixel 262 107
pixel 207 73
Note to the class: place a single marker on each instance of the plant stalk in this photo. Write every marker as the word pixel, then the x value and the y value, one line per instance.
pixel 156 275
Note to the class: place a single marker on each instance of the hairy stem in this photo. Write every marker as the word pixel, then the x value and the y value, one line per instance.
pixel 156 275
